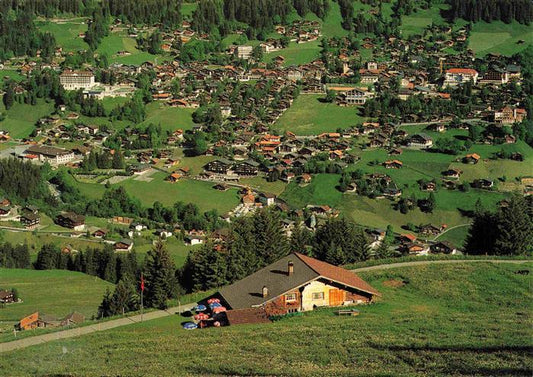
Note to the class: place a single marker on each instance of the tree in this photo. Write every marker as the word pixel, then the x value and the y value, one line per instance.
pixel 330 96
pixel 125 298
pixel 159 275
pixel 515 228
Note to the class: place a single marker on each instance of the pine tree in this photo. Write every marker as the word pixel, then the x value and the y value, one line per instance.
pixel 104 310
pixel 515 229
pixel 125 297
pixel 159 275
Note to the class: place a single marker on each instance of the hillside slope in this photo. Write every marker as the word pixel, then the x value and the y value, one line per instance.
pixel 460 319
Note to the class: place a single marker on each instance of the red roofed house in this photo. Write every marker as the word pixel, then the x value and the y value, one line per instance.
pixel 457 76
pixel 296 283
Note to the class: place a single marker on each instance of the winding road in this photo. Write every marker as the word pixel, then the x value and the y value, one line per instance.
pixel 103 326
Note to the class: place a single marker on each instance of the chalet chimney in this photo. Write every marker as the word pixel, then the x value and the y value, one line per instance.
pixel 265 291
pixel 290 268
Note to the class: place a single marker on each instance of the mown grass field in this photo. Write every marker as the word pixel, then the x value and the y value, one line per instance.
pixel 296 54
pixel 21 118
pixel 66 33
pixel 188 190
pixel 440 320
pixel 498 37
pixel 119 41
pixel 170 118
pixel 309 116
pixel 416 22
pixel 53 292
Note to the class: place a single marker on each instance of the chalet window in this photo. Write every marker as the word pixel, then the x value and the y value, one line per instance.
pixel 318 296
pixel 290 297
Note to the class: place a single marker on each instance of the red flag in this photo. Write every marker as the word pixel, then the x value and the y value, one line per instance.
pixel 142 283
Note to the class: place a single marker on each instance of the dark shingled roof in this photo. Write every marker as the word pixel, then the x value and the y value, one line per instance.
pixel 247 292
pixel 249 315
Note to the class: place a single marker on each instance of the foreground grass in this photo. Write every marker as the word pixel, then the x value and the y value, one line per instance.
pixel 446 320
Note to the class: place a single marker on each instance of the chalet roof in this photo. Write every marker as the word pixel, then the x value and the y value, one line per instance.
pixel 247 292
pixel 248 315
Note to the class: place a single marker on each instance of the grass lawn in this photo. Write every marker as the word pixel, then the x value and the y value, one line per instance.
pixel 170 118
pixel 309 116
pixel 262 184
pixel 21 118
pixel 66 33
pixel 498 37
pixel 11 73
pixel 455 319
pixel 331 26
pixel 417 21
pixel 296 54
pixel 54 292
pixel 456 236
pixel 187 9
pixel 321 191
pixel 119 41
pixel 187 190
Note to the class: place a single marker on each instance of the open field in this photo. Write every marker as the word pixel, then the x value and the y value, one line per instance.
pixel 188 190
pixel 308 116
pixel 66 33
pixel 296 54
pixel 119 41
pixel 417 21
pixel 21 118
pixel 457 319
pixel 500 38
pixel 170 118
pixel 53 292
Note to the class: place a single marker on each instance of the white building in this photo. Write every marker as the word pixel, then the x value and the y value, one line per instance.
pixel 458 76
pixel 73 80
pixel 244 52
pixel 52 155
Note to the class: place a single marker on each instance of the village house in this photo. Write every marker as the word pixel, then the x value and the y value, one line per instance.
pixel 71 220
pixel 30 220
pixel 6 297
pixel 444 247
pixel 123 245
pixel 420 141
pixel 297 283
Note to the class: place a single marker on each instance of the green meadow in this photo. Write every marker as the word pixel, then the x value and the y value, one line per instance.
pixel 170 118
pixel 500 38
pixel 21 118
pixel 434 320
pixel 309 116
pixel 53 292
pixel 66 33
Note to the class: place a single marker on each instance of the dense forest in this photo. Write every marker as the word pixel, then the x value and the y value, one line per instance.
pixel 259 15
pixel 22 180
pixel 492 10
pixel 14 43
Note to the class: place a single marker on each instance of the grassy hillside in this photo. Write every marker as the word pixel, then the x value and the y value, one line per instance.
pixel 53 292
pixel 467 319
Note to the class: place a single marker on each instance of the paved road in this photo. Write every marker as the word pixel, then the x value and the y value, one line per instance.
pixel 102 326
